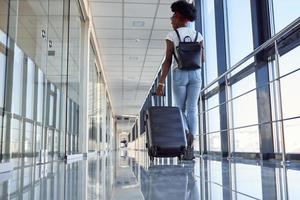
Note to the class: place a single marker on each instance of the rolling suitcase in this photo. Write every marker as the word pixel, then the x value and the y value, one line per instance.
pixel 165 132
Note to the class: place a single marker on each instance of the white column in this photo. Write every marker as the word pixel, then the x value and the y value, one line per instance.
pixel 84 89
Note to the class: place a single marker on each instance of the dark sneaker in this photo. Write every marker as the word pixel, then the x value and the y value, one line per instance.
pixel 188 154
pixel 189 139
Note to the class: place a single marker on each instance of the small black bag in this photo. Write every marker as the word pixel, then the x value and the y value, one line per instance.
pixel 188 53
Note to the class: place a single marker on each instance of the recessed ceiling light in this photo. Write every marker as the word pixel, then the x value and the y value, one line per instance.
pixel 138 23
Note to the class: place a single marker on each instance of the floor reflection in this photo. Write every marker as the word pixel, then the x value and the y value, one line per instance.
pixel 128 175
pixel 170 182
pixel 85 179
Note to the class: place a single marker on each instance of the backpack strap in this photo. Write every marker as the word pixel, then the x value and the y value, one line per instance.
pixel 196 37
pixel 178 35
pixel 175 57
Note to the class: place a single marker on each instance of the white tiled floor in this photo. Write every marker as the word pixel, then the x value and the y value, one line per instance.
pixel 129 175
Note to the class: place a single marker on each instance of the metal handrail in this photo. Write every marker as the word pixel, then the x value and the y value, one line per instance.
pixel 266 44
pixel 251 125
pixel 249 91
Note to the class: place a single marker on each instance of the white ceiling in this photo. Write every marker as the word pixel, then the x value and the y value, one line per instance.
pixel 131 36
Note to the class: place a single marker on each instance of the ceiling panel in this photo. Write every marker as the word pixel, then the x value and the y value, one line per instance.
pixel 109 33
pixel 106 9
pixel 133 63
pixel 111 43
pixel 157 51
pixel 108 22
pixel 131 74
pixel 157 44
pixel 135 44
pixel 154 58
pixel 159 35
pixel 109 50
pixel 111 58
pixel 141 1
pixel 162 24
pixel 137 34
pixel 134 51
pixel 120 1
pixel 138 23
pixel 139 10
pixel 169 2
pixel 164 11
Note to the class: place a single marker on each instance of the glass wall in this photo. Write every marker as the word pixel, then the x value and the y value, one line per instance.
pixel 74 78
pixel 32 81
pixel 289 65
pixel 213 124
pixel 209 33
pixel 4 9
pixel 239 31
pixel 41 78
pixel 284 12
pixel 245 118
pixel 103 113
pixel 94 102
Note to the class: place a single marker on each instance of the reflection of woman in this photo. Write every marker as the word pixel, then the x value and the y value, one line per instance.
pixel 186 83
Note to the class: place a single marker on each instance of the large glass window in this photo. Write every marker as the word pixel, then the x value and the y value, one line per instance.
pixel 28 143
pixel 285 12
pixel 74 52
pixel 239 30
pixel 3 45
pixel 211 67
pixel 38 139
pixel 213 124
pixel 40 95
pixel 51 110
pixel 28 28
pixel 290 63
pixel 37 44
pixel 74 67
pixel 17 81
pixel 15 137
pixel 245 117
pixel 3 21
pixel 57 111
pixel 30 89
pixel 2 76
pixel 50 134
pixel 93 102
pixel 103 112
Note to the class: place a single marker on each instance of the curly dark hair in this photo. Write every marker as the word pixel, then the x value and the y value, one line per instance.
pixel 185 9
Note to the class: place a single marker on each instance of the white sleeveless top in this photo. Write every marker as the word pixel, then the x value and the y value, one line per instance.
pixel 183 32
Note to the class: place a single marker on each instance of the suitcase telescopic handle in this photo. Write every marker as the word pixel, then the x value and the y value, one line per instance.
pixel 154 94
pixel 160 97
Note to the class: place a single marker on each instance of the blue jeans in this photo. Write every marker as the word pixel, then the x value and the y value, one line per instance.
pixel 186 90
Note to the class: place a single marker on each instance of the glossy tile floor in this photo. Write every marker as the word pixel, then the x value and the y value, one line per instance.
pixel 125 175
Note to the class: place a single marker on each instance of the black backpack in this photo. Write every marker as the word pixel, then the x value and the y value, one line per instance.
pixel 188 53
